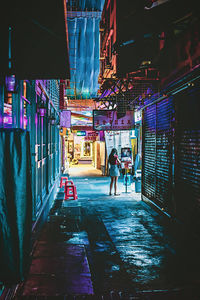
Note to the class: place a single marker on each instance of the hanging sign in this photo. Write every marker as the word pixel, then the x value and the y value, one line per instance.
pixel 65 118
pixel 90 138
pixel 107 120
pixel 138 116
pixel 93 133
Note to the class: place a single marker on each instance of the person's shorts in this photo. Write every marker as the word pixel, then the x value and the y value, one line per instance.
pixel 114 170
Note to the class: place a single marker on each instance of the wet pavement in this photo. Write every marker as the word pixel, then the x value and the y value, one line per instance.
pixel 114 246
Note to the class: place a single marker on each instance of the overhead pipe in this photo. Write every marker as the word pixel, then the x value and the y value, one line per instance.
pixel 174 92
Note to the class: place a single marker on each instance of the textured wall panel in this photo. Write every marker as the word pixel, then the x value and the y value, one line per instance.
pixel 149 152
pixel 157 153
pixel 187 176
pixel 164 114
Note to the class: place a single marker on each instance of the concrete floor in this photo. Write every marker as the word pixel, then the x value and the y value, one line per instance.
pixel 83 170
pixel 111 245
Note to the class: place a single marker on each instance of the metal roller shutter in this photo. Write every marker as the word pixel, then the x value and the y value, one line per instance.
pixel 164 116
pixel 157 153
pixel 149 152
pixel 187 176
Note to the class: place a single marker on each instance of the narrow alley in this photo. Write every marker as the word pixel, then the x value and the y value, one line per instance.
pixel 100 150
pixel 115 247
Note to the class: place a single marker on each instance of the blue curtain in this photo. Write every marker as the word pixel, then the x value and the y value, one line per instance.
pixel 84 49
pixel 15 204
pixel 84 57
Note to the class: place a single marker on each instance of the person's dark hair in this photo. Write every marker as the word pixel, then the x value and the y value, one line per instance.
pixel 111 158
pixel 113 151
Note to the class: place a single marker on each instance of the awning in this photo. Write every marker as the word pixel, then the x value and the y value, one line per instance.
pixel 39 43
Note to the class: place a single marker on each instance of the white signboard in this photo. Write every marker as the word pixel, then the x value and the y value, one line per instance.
pixel 117 139
pixel 138 116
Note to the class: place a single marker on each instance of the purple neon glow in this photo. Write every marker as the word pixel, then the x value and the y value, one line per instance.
pixel 101 136
pixel 107 120
pixel 36 120
pixel 25 122
pixel 42 111
pixel 7 117
pixel 53 121
pixel 42 122
pixel 65 118
pixel 10 83
pixel 106 93
pixel 7 120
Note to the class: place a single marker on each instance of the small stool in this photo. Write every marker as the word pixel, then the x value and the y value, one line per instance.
pixel 69 182
pixel 70 191
pixel 62 181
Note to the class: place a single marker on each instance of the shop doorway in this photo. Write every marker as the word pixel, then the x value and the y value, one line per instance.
pixel 86 150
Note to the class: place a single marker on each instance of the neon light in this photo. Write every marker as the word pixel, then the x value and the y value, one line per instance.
pixel 81 133
pixel 42 112
pixel 10 83
pixel 7 120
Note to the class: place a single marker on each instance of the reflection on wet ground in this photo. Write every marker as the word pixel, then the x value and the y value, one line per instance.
pixel 107 245
pixel 154 252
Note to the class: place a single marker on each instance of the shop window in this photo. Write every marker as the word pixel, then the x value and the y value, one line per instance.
pixel 39 136
pixel 26 105
pixel 7 115
pixel 87 149
pixel 44 137
pixel 25 115
pixel 25 89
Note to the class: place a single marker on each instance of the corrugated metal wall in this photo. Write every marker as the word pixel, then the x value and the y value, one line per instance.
pixel 149 152
pixel 171 155
pixel 164 118
pixel 187 175
pixel 157 152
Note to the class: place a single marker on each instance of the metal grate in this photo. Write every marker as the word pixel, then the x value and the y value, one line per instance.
pixel 157 153
pixel 149 152
pixel 171 156
pixel 164 116
pixel 187 177
pixel 53 91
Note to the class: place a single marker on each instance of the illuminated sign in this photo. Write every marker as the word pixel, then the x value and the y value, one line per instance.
pixel 81 133
pixel 107 120
pixel 11 84
pixel 81 118
pixel 65 118
pixel 126 154
pixel 7 117
pixel 93 134
pixel 90 138
pixel 63 131
pixel 138 115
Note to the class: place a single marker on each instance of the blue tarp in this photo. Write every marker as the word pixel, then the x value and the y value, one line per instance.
pixel 15 204
pixel 83 29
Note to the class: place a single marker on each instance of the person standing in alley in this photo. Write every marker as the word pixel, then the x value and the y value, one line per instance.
pixel 114 162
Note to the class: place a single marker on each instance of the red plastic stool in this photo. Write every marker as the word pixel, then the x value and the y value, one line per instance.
pixel 70 191
pixel 62 181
